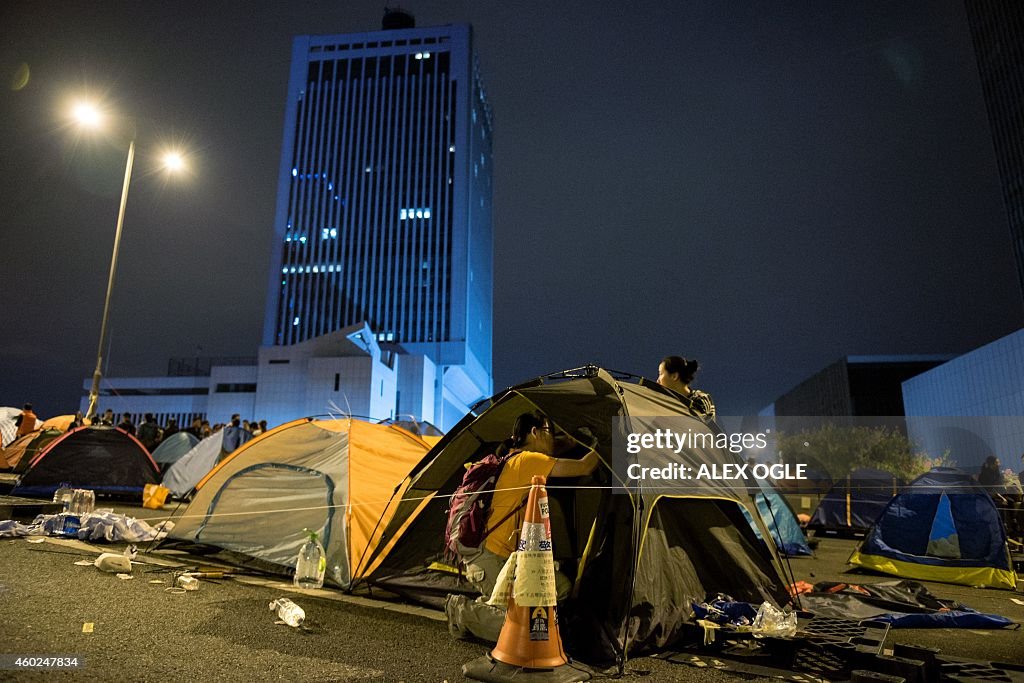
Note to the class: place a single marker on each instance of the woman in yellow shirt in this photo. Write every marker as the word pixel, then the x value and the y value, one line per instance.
pixel 533 436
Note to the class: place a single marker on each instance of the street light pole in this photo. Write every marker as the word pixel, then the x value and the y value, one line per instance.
pixel 97 375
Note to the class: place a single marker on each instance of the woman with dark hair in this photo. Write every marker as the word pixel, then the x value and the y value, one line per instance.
pixel 532 445
pixel 676 373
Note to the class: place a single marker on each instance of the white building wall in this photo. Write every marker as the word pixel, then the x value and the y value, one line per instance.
pixel 417 376
pixel 121 394
pixel 225 397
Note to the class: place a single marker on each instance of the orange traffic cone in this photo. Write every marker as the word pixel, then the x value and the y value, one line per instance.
pixel 530 647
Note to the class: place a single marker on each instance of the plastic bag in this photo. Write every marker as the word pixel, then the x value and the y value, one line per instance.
pixel 771 621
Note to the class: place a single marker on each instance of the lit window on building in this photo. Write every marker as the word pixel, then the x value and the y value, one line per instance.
pixel 295 322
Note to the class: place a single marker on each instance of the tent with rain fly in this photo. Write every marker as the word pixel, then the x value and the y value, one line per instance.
pixel 854 502
pixel 335 477
pixel 943 527
pixel 173 448
pixel 190 468
pixel 640 554
pixel 107 460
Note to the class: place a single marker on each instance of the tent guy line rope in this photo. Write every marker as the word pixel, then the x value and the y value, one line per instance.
pixel 160 520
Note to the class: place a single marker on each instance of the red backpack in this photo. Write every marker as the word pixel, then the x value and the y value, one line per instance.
pixel 467 528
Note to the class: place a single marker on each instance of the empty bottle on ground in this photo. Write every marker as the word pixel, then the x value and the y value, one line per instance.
pixel 288 612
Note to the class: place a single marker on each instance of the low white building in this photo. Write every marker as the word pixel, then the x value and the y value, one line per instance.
pixel 342 373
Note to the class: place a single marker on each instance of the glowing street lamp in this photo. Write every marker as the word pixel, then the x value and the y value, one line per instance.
pixel 89 116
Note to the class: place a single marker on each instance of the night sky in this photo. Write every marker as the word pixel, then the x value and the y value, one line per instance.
pixel 766 187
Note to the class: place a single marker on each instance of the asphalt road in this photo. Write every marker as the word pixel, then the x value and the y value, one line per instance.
pixel 225 631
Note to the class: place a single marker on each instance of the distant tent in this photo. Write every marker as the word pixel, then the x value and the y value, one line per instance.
pixel 332 476
pixel 780 520
pixel 943 527
pixel 173 447
pixel 19 454
pixel 190 468
pixel 61 422
pixel 640 555
pixel 106 460
pixel 8 430
pixel 854 502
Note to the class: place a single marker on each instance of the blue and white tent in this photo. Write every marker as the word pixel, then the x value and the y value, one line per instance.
pixel 173 448
pixel 780 520
pixel 943 527
pixel 183 475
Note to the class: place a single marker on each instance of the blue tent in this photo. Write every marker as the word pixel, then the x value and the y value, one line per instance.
pixel 173 447
pixel 780 520
pixel 943 527
pixel 854 502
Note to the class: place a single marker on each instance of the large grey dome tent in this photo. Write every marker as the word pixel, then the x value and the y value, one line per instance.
pixel 640 555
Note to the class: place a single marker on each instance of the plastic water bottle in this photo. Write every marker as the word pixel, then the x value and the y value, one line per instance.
pixel 63 495
pixel 311 563
pixel 288 612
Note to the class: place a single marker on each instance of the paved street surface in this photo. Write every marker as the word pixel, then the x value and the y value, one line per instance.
pixel 224 631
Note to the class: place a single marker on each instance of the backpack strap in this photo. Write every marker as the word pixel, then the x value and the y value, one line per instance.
pixel 522 504
pixel 488 532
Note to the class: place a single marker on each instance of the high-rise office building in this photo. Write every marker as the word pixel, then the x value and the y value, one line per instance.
pixel 379 297
pixel 997 27
pixel 384 198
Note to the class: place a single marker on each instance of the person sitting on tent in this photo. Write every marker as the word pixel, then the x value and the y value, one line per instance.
pixel 533 435
pixel 26 422
pixel 676 373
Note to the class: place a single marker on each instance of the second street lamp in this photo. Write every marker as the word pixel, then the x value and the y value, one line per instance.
pixel 90 116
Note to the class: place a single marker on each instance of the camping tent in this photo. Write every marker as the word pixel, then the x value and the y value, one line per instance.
pixel 190 468
pixel 20 452
pixel 332 476
pixel 782 523
pixel 60 422
pixel 640 554
pixel 854 502
pixel 173 448
pixel 943 527
pixel 105 459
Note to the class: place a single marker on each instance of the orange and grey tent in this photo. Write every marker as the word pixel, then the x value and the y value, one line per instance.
pixel 19 453
pixel 107 460
pixel 61 422
pixel 335 477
